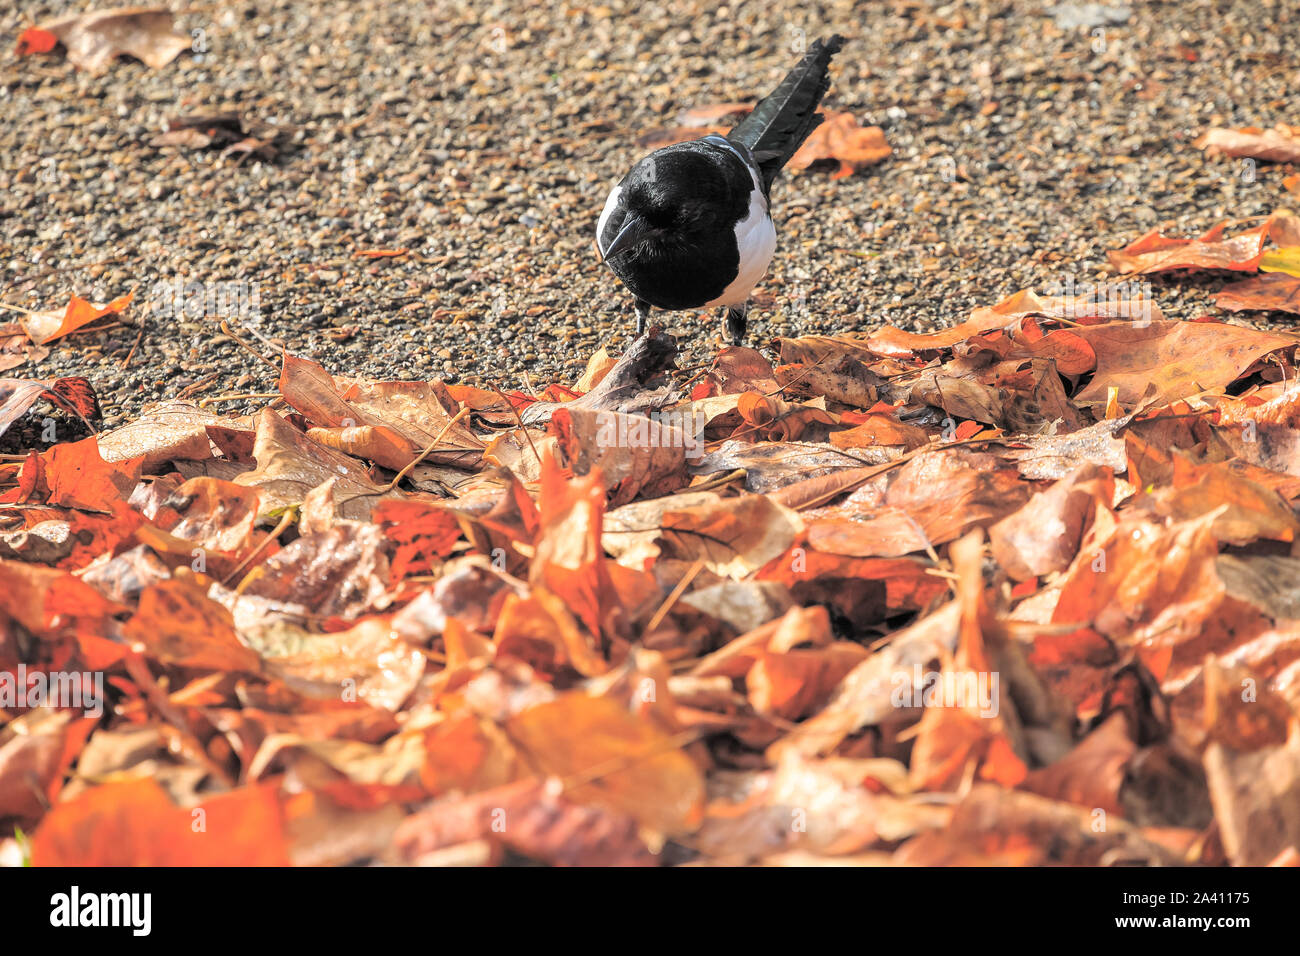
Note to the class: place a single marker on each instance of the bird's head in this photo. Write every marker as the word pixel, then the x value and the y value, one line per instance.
pixel 668 198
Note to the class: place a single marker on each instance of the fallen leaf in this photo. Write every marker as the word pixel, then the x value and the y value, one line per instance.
pixel 612 759
pixel 93 39
pixel 1278 292
pixel 43 327
pixel 135 823
pixel 1281 144
pixel 1155 252
pixel 839 137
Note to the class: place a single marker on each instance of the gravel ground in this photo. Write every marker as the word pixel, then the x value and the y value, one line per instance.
pixel 484 138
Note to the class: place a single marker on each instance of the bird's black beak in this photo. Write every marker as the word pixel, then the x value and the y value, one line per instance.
pixel 633 231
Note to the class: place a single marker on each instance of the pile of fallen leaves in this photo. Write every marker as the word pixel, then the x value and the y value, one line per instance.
pixel 1025 590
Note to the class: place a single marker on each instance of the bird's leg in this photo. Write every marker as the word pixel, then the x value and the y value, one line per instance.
pixel 642 312
pixel 736 322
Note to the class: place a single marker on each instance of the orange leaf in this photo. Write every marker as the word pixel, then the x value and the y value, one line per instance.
pixel 135 823
pixel 178 624
pixel 42 327
pixel 841 138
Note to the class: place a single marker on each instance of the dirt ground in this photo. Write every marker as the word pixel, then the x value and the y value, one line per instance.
pixel 484 137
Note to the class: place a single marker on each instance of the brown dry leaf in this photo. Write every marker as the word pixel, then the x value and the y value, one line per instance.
pixel 770 466
pixel 420 411
pixel 1092 773
pixel 1177 358
pixel 368 662
pixel 882 533
pixel 467 753
pixel 845 380
pixel 610 758
pixel 893 341
pixel 289 465
pixel 545 825
pixel 833 807
pixel 996 827
pixel 839 137
pixel 972 725
pixel 773 419
pixel 93 39
pixel 1156 587
pixel 1256 799
pixel 177 623
pixel 172 431
pixel 1044 535
pixel 378 443
pixel 949 491
pixel 867 694
pixel 1241 712
pixel 540 631
pixel 880 429
pixel 19 395
pixel 1159 253
pixel 412 412
pixel 734 538
pixel 214 514
pixel 598 366
pixel 17 349
pixel 744 605
pixel 794 684
pixel 342 571
pixel 32 748
pixel 1243 510
pixel 1052 457
pixel 1281 144
pixel 636 456
pixel 1087 301
pixel 1272 292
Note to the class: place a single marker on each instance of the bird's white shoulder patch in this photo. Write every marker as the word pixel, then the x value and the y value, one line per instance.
pixel 756 242
pixel 755 238
pixel 610 205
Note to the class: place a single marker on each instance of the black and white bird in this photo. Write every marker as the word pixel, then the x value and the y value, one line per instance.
pixel 690 227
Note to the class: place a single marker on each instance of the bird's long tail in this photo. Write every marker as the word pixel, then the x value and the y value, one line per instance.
pixel 783 119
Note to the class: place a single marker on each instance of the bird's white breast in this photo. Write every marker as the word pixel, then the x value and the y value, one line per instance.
pixel 756 242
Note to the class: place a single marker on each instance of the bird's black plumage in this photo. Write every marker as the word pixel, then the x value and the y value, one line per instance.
pixel 689 227
pixel 690 196
pixel 786 117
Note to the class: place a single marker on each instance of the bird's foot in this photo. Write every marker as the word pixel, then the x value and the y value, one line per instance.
pixel 642 313
pixel 735 324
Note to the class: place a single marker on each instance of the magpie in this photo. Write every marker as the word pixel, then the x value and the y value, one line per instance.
pixel 690 227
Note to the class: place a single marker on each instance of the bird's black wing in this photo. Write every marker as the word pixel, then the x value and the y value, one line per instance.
pixel 783 119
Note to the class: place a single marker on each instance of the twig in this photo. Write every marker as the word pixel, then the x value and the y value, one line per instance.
pixel 411 465
pixel 677 592
pixel 139 336
pixel 423 455
pixel 225 328
pixel 286 519
pixel 519 419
